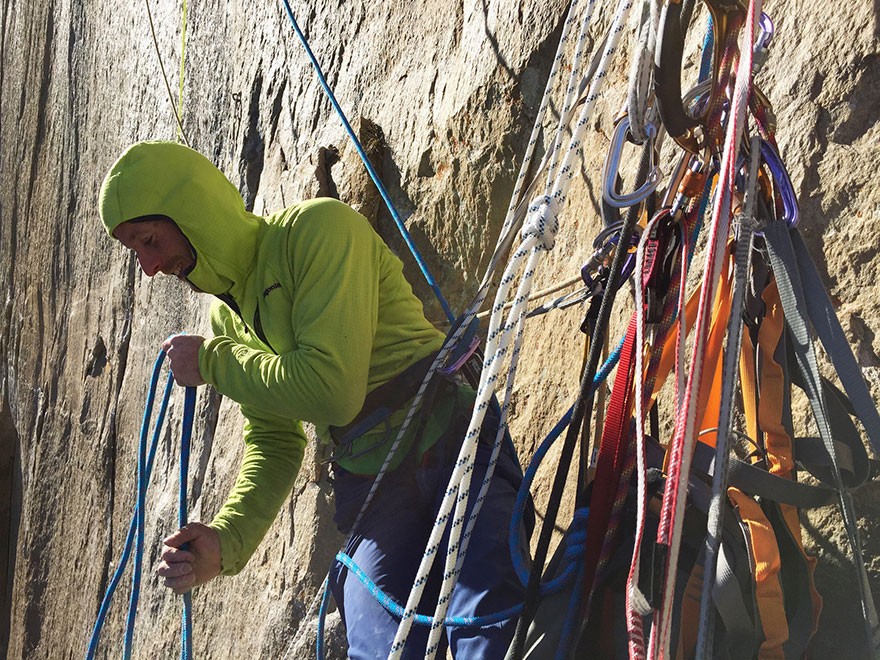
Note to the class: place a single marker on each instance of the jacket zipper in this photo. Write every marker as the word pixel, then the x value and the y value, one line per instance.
pixel 258 326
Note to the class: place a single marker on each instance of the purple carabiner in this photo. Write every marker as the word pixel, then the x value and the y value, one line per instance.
pixel 596 263
pixel 455 366
pixel 790 212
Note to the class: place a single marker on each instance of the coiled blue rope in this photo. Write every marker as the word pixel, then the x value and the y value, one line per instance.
pixel 135 537
pixel 429 278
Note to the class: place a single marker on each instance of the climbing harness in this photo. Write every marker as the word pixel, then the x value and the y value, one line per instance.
pixel 135 539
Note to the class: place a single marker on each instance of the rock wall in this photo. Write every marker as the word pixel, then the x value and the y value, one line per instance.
pixel 444 96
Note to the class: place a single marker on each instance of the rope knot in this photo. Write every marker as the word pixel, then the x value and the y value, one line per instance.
pixel 542 222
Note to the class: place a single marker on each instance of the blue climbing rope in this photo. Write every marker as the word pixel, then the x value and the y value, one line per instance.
pixel 372 172
pixel 135 538
pixel 396 609
pixel 322 615
pixel 189 409
pixel 140 503
pixel 129 540
pixel 522 496
pixel 706 58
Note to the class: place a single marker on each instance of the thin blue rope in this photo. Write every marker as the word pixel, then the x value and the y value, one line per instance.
pixel 189 408
pixel 708 45
pixel 322 615
pixel 396 610
pixel 127 548
pixel 142 478
pixel 372 172
pixel 575 535
pixel 135 537
pixel 522 496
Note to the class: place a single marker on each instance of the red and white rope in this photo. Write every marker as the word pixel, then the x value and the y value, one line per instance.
pixel 682 446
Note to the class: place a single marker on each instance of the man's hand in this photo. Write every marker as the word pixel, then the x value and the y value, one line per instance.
pixel 184 569
pixel 183 356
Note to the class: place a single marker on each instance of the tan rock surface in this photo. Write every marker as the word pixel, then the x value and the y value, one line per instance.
pixel 444 95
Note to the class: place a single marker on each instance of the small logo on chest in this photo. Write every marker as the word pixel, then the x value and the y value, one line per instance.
pixel 269 289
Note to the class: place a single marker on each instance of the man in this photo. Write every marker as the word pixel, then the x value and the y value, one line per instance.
pixel 312 314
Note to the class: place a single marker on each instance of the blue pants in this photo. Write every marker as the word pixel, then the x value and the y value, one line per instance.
pixel 391 540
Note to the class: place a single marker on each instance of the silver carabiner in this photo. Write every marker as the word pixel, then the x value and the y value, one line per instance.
pixel 762 43
pixel 612 166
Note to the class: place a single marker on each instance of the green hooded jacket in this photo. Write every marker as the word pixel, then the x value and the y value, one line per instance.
pixel 313 312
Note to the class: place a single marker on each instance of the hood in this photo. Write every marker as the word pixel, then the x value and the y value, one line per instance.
pixel 167 178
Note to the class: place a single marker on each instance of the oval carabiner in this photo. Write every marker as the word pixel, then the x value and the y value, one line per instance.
pixel 762 43
pixel 696 99
pixel 597 265
pixel 612 167
pixel 782 182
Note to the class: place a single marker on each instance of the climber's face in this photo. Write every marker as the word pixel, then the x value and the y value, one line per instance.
pixel 160 246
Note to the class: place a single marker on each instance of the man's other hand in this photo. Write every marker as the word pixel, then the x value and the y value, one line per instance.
pixel 183 356
pixel 183 569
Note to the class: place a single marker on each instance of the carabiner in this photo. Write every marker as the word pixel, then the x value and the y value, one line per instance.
pixel 697 98
pixel 782 182
pixel 695 101
pixel 596 267
pixel 762 43
pixel 612 167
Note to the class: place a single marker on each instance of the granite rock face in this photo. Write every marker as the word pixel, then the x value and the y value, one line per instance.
pixel 443 95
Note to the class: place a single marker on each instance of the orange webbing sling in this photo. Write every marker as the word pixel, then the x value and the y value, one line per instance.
pixel 765 401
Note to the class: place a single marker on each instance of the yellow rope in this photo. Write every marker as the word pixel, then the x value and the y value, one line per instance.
pixel 180 133
pixel 182 61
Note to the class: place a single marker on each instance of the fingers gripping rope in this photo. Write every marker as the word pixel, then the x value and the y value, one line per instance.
pixel 542 222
